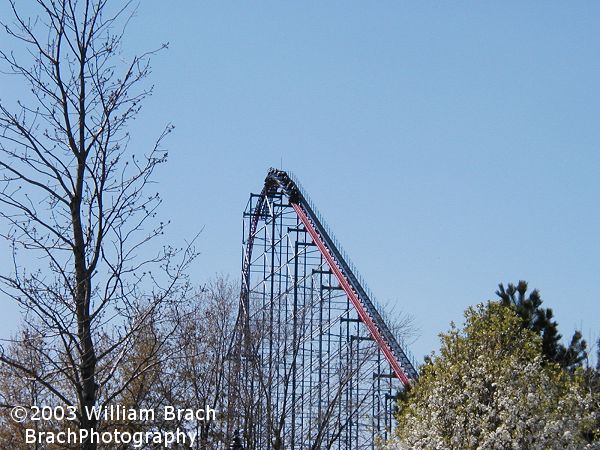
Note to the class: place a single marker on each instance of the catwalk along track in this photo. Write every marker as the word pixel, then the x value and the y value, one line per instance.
pixel 314 362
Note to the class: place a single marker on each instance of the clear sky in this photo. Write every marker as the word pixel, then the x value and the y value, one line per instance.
pixel 450 145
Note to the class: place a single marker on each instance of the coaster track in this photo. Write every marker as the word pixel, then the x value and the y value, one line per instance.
pixel 315 363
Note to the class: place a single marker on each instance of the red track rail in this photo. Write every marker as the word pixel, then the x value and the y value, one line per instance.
pixel 352 295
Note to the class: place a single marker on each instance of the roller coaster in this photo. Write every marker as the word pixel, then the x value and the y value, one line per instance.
pixel 315 364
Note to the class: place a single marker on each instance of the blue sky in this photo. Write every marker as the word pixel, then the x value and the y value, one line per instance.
pixel 451 146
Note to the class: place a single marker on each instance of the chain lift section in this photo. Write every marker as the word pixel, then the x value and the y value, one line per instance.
pixel 317 366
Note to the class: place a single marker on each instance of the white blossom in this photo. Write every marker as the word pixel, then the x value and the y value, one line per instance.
pixel 490 388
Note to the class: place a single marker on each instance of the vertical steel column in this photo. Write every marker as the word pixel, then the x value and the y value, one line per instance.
pixel 312 376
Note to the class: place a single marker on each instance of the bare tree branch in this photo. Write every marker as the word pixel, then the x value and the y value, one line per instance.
pixel 74 196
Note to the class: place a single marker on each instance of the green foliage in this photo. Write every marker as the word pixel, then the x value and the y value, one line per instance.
pixel 540 320
pixel 491 387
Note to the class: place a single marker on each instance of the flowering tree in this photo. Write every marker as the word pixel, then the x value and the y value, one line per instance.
pixel 490 388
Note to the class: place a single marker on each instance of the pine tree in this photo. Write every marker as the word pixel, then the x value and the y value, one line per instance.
pixel 541 321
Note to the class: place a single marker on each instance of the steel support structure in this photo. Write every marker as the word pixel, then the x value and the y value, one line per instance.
pixel 314 363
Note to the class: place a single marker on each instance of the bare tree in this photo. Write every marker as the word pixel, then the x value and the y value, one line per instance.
pixel 74 199
pixel 18 390
pixel 188 371
pixel 199 356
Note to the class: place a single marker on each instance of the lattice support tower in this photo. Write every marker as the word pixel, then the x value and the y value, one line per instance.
pixel 314 364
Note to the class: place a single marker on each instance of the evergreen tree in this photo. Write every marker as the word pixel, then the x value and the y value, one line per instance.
pixel 541 321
